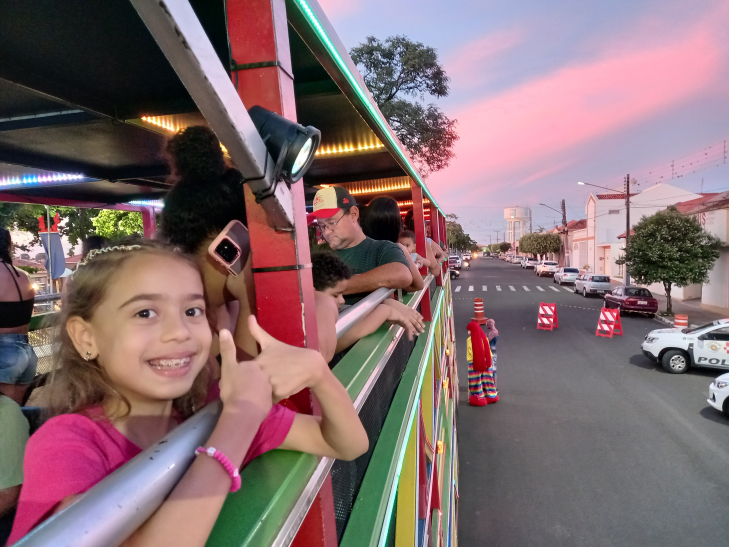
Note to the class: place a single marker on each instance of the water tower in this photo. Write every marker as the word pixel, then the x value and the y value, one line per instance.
pixel 517 223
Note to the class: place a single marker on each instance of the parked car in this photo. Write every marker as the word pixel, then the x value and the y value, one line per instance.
pixel 679 349
pixel 454 259
pixel 591 283
pixel 529 263
pixel 547 267
pixel 632 300
pixel 467 255
pixel 719 394
pixel 454 266
pixel 517 260
pixel 566 275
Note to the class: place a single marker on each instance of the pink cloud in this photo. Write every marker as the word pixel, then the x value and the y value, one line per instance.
pixel 508 138
pixel 339 8
pixel 466 65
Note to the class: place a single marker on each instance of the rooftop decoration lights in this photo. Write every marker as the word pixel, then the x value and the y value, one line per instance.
pixel 156 203
pixel 336 150
pixel 160 121
pixel 375 187
pixel 40 179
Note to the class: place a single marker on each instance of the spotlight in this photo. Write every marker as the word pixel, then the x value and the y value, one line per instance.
pixel 292 145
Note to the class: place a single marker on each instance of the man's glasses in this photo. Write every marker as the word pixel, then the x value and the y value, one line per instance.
pixel 330 225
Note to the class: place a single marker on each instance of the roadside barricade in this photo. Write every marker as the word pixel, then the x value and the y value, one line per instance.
pixel 609 323
pixel 478 311
pixel 547 319
pixel 680 321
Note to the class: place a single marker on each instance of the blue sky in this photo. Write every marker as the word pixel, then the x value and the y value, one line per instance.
pixel 549 93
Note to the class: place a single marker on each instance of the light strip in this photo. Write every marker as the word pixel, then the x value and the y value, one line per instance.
pixel 156 203
pixel 401 456
pixel 409 203
pixel 340 150
pixel 160 121
pixel 357 189
pixel 314 22
pixel 40 179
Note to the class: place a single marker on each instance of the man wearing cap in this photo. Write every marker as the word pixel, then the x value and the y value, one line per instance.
pixel 375 264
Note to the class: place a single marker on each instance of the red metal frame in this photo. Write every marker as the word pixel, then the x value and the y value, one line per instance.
pixel 420 242
pixel 258 33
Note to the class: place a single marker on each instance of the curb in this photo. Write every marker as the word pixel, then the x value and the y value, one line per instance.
pixel 668 321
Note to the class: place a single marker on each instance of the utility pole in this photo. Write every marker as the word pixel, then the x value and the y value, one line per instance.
pixel 530 220
pixel 564 234
pixel 627 224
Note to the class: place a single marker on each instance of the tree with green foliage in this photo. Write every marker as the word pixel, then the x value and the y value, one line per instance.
pixel 504 246
pixel 397 68
pixel 113 224
pixel 670 248
pixel 540 244
pixel 457 238
pixel 76 223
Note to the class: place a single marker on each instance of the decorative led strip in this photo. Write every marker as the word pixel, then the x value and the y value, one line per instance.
pixel 378 186
pixel 331 48
pixel 337 150
pixel 160 121
pixel 409 203
pixel 40 179
pixel 156 203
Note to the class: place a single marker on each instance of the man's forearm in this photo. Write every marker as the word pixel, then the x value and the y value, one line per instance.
pixel 392 276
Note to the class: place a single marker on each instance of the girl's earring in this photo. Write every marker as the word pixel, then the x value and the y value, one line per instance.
pixel 87 357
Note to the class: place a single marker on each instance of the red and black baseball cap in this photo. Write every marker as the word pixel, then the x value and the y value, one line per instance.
pixel 329 200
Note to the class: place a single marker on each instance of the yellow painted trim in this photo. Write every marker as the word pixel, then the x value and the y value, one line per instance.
pixel 407 491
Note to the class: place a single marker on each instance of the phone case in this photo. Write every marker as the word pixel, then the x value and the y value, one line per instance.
pixel 237 234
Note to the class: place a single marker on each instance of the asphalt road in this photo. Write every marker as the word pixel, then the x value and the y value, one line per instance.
pixel 591 443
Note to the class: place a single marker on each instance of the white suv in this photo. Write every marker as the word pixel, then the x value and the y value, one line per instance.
pixel 546 267
pixel 529 263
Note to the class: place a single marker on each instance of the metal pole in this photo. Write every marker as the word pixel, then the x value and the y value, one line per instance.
pixel 563 256
pixel 627 223
pixel 48 250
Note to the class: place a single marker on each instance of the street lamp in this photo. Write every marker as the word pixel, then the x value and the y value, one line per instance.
pixel 627 215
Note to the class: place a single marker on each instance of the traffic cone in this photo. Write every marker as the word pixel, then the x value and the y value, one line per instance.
pixel 478 310
pixel 680 321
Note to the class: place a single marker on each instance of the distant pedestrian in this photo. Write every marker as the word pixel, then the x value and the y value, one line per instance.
pixel 491 333
pixel 481 385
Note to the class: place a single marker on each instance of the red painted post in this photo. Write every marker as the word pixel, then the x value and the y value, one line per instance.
pixel 436 235
pixel 420 242
pixel 149 222
pixel 258 33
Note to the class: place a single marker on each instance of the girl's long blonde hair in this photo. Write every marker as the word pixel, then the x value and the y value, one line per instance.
pixel 76 384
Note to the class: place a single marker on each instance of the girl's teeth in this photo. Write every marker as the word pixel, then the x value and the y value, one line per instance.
pixel 170 363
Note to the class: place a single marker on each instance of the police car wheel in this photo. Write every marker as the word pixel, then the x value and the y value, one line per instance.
pixel 726 407
pixel 675 361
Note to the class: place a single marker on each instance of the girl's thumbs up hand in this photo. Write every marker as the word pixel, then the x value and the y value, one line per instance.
pixel 289 369
pixel 241 383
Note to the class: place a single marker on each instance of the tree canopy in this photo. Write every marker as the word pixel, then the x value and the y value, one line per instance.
pixel 504 246
pixel 540 244
pixel 114 224
pixel 670 248
pixel 396 68
pixel 457 238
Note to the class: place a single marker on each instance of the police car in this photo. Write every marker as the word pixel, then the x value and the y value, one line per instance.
pixel 679 349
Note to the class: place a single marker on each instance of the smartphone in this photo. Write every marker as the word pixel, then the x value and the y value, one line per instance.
pixel 231 247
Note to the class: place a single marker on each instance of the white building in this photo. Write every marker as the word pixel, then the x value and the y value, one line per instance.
pixel 606 221
pixel 517 223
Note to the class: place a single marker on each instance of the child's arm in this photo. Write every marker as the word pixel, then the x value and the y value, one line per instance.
pixel 373 321
pixel 326 324
pixel 339 432
pixel 433 264
pixel 417 283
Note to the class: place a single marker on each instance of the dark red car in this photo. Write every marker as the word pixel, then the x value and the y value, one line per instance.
pixel 632 300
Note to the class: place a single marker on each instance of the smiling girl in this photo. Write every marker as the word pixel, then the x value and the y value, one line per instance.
pixel 132 363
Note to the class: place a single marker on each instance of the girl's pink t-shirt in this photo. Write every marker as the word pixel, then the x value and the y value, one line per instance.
pixel 71 453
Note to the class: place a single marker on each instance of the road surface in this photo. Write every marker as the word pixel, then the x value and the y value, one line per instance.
pixel 591 443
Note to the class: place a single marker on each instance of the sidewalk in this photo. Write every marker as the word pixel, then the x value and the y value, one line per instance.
pixel 696 314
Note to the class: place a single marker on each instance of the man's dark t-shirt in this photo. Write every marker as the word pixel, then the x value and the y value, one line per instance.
pixel 367 256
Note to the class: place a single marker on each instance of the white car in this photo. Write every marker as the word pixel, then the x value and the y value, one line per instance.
pixel 719 394
pixel 566 275
pixel 455 259
pixel 546 267
pixel 679 349
pixel 467 256
pixel 529 263
pixel 517 259
pixel 590 283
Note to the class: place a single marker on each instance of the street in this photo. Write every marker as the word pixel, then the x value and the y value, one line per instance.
pixel 591 444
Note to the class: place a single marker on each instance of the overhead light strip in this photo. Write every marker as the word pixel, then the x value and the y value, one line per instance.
pixel 35 180
pixel 319 29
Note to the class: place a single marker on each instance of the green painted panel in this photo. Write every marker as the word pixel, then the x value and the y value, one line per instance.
pixel 370 507
pixel 253 516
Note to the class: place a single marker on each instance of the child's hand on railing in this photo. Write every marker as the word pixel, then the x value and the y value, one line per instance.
pixel 289 369
pixel 415 318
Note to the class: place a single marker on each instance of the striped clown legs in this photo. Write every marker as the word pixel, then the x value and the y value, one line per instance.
pixel 475 387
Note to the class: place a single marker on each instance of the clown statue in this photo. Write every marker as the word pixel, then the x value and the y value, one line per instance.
pixel 481 387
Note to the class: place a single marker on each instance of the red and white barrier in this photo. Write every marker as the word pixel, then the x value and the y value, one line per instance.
pixel 609 323
pixel 547 319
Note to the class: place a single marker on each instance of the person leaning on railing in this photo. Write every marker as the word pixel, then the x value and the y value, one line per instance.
pixel 432 247
pixel 381 220
pixel 331 276
pixel 17 369
pixel 374 264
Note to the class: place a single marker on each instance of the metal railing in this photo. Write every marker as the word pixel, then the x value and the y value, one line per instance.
pixel 113 509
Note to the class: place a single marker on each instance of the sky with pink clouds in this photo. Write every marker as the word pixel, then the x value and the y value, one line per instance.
pixel 550 93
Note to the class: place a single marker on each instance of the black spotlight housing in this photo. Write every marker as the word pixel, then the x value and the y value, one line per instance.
pixel 292 145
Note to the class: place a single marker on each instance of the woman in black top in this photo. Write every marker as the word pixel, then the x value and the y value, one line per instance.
pixel 17 359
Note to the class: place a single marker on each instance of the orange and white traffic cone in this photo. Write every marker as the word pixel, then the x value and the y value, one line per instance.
pixel 478 310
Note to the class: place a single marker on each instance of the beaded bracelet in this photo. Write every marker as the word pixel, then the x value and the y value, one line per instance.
pixel 225 462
